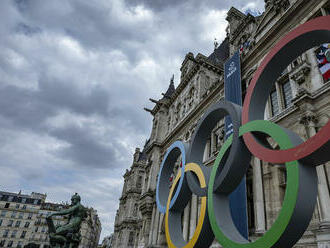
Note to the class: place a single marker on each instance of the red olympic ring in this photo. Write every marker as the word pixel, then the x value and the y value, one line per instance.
pixel 287 49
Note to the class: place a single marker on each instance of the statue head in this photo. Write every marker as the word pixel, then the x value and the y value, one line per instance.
pixel 75 199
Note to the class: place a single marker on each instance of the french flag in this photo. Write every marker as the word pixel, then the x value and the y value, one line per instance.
pixel 323 59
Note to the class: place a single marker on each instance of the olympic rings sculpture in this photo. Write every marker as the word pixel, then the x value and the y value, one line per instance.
pixel 214 184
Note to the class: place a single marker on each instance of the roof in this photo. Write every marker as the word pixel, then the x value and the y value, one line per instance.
pixel 221 53
pixel 170 90
pixel 143 154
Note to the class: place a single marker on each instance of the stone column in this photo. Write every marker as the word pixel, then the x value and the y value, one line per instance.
pixel 155 229
pixel 213 143
pixel 193 214
pixel 206 150
pixel 323 196
pixel 186 222
pixel 258 197
pixel 323 191
pixel 152 224
pixel 150 178
pixel 161 236
pixel 154 169
pixel 279 98
pixel 146 233
pixel 323 234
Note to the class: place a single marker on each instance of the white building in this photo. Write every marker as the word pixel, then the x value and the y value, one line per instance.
pixel 23 221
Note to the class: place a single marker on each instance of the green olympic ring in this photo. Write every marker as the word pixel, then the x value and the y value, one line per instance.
pixel 293 204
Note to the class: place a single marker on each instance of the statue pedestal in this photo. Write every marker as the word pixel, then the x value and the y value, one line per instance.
pixel 323 236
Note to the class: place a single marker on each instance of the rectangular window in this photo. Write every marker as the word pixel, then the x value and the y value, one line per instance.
pixel 287 94
pixel 274 103
pixel 23 234
pixel 2 243
pixel 7 205
pixel 30 216
pixel 10 223
pixel 10 198
pixel 24 207
pixel 19 244
pixel 18 223
pixel 13 234
pixel 1 222
pixel 20 216
pixel 13 214
pixel 10 243
pixel 3 213
pixel 5 233
pixel 17 205
pixel 27 224
pixel 23 200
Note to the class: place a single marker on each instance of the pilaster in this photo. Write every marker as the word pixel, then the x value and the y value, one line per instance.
pixel 258 197
pixel 309 120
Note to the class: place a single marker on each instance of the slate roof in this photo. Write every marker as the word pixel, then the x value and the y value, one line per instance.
pixel 143 154
pixel 220 54
pixel 170 90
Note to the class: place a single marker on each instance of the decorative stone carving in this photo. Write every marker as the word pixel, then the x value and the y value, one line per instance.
pixel 300 92
pixel 277 4
pixel 299 75
pixel 308 119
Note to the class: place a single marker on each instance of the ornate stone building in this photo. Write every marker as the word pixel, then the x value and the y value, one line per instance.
pixel 300 101
pixel 23 221
pixel 107 242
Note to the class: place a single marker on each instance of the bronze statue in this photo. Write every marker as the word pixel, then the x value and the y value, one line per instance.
pixel 68 235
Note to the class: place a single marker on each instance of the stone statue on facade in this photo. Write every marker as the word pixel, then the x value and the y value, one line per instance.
pixel 67 235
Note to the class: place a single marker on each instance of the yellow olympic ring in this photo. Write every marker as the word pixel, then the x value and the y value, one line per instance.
pixel 197 170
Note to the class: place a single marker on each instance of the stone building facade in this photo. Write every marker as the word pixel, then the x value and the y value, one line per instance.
pixel 299 101
pixel 107 242
pixel 23 221
pixel 18 214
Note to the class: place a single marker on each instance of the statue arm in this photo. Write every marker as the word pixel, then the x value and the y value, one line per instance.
pixel 64 212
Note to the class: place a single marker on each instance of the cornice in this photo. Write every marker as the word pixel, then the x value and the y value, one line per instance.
pixel 277 31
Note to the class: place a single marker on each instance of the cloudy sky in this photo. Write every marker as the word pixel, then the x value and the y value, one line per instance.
pixel 74 78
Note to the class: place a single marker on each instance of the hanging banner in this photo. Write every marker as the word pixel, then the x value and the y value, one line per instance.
pixel 233 93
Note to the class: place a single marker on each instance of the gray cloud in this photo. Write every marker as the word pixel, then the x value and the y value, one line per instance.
pixel 23 108
pixel 64 95
pixel 74 78
pixel 84 148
